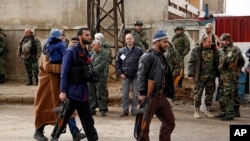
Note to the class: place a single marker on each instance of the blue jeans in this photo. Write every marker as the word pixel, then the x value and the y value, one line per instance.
pixel 72 126
pixel 126 83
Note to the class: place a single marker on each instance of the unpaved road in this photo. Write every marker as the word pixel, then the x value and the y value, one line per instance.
pixel 17 125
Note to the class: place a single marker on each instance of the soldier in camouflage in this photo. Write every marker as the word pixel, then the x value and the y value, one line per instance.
pixel 3 55
pixel 202 67
pixel 29 50
pixel 182 45
pixel 228 62
pixel 174 60
pixel 98 96
pixel 140 36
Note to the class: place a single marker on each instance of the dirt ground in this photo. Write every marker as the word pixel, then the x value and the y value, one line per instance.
pixel 184 94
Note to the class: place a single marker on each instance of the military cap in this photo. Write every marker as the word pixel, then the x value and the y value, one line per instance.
pixel 179 28
pixel 225 36
pixel 140 23
pixel 126 31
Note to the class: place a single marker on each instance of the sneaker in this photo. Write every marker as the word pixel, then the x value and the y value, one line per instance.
pixel 40 136
pixel 78 136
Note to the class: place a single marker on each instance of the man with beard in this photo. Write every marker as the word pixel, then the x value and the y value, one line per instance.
pixel 230 61
pixel 202 70
pixel 74 87
pixel 153 66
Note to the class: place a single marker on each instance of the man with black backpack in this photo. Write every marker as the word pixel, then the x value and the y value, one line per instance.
pixel 29 50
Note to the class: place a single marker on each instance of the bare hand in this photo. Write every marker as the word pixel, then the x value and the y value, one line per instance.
pixel 123 76
pixel 62 96
pixel 141 98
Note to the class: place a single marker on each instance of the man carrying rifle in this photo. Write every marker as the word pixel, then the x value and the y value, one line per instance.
pixel 74 86
pixel 154 72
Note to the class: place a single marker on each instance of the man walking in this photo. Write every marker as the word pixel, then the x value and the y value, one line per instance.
pixel 127 65
pixel 153 66
pixel 74 87
pixel 29 50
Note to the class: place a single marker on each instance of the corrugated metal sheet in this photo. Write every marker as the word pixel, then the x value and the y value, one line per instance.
pixel 237 26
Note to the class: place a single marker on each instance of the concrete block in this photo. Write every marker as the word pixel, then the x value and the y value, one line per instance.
pixel 3 99
pixel 15 99
pixel 28 99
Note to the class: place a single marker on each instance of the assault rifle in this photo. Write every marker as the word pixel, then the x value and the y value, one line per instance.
pixel 142 114
pixel 62 111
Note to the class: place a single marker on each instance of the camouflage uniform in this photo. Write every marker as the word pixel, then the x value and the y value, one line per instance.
pixel 98 96
pixel 202 67
pixel 138 41
pixel 3 55
pixel 182 45
pixel 174 61
pixel 239 65
pixel 228 79
pixel 30 50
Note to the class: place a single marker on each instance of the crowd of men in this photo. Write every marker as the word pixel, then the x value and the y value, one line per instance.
pixel 137 65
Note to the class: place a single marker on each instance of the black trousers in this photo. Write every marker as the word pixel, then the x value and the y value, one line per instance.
pixel 84 112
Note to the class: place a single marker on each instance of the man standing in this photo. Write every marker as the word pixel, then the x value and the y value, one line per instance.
pixel 209 32
pixel 202 70
pixel 140 36
pixel 73 85
pixel 30 50
pixel 4 50
pixel 153 66
pixel 182 45
pixel 127 65
pixel 98 95
pixel 228 55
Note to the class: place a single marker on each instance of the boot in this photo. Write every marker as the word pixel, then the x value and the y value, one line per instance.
pixel 1 78
pixel 207 113
pixel 30 82
pixel 38 135
pixel 220 115
pixel 236 110
pixel 36 80
pixel 197 113
pixel 78 136
pixel 227 117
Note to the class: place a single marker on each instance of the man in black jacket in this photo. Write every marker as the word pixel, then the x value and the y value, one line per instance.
pixel 127 65
pixel 153 66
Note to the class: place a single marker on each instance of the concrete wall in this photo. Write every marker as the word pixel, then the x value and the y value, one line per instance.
pixel 42 15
